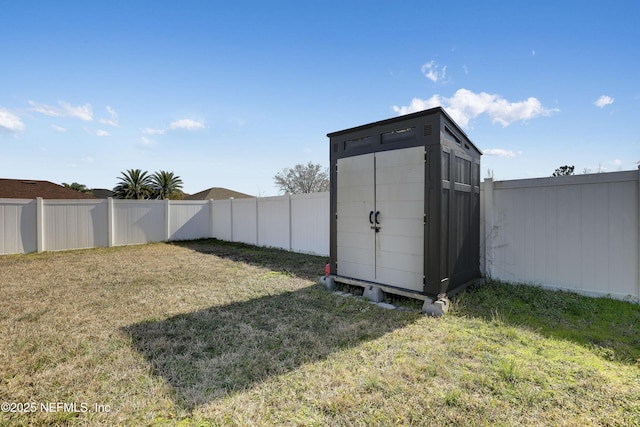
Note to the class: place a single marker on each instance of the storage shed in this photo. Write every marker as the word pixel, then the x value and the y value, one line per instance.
pixel 405 206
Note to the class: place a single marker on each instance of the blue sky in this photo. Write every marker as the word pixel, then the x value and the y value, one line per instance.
pixel 226 94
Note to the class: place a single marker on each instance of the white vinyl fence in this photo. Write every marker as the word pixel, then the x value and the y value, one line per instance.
pixel 579 233
pixel 297 223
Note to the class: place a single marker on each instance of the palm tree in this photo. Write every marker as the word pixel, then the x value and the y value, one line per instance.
pixel 166 185
pixel 134 184
pixel 78 187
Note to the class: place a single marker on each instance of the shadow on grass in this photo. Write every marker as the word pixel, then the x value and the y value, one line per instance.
pixel 606 326
pixel 305 266
pixel 207 354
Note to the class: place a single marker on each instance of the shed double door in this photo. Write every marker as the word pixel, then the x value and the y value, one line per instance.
pixel 380 217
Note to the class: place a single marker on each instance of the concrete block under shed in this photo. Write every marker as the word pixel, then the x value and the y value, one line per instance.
pixel 373 293
pixel 436 308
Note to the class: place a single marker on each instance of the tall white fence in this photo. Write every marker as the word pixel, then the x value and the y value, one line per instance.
pixel 297 223
pixel 579 233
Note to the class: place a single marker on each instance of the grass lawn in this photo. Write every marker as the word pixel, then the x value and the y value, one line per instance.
pixel 212 333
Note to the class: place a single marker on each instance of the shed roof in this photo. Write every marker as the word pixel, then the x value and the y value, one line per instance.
pixel 405 117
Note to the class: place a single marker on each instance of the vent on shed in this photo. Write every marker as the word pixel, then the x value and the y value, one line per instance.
pixel 398 135
pixel 362 142
pixel 450 133
pixel 428 130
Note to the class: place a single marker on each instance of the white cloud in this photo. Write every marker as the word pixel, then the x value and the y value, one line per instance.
pixel 45 109
pixel 10 122
pixel 58 129
pixel 113 118
pixel 418 104
pixel 186 124
pixel 82 112
pixel 603 101
pixel 87 159
pixel 616 162
pixel 499 152
pixel 149 131
pixel 432 71
pixel 466 105
pixel 101 133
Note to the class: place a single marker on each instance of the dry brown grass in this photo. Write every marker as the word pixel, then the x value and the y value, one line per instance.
pixel 207 333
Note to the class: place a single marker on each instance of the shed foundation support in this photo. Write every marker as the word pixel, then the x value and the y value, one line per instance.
pixel 373 293
pixel 436 308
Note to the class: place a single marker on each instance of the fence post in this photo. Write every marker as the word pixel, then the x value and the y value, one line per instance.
pixel 257 223
pixel 39 224
pixel 638 240
pixel 167 224
pixel 211 227
pixel 231 217
pixel 110 223
pixel 290 221
pixel 488 227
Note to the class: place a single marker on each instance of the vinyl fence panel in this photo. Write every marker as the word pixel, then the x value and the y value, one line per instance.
pixel 189 220
pixel 139 221
pixel 245 220
pixel 579 233
pixel 310 214
pixel 274 222
pixel 74 224
pixel 18 233
pixel 221 220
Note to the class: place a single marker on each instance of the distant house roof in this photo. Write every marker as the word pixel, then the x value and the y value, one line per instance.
pixel 102 193
pixel 31 189
pixel 217 193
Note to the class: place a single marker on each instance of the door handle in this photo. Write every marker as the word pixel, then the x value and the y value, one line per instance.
pixel 375 226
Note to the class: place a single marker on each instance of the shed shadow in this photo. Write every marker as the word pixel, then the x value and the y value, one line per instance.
pixel 210 353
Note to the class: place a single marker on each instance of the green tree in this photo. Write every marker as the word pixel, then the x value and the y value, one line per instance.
pixel 309 178
pixel 77 187
pixel 134 184
pixel 166 185
pixel 564 171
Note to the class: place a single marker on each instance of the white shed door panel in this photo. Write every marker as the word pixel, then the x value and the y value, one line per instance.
pixel 391 183
pixel 355 200
pixel 400 201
